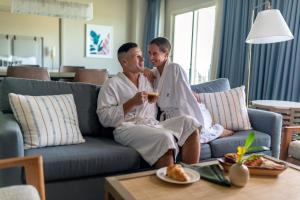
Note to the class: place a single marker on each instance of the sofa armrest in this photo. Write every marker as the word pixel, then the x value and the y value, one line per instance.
pixel 270 123
pixel 11 145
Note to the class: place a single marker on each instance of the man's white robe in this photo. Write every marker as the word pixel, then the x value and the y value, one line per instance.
pixel 139 128
pixel 176 99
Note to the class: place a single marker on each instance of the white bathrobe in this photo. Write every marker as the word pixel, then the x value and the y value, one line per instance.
pixel 139 128
pixel 176 99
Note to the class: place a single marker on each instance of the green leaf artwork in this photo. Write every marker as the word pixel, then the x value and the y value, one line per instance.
pixel 99 41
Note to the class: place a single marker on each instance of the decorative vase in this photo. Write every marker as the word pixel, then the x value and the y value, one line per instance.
pixel 239 174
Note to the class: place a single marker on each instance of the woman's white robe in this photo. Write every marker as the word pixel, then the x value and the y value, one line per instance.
pixel 176 99
pixel 139 127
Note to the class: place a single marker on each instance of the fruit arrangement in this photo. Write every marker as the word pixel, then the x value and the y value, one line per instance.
pixel 254 160
pixel 256 163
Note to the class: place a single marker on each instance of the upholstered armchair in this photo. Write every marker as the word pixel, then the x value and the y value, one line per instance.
pixel 34 174
pixel 290 149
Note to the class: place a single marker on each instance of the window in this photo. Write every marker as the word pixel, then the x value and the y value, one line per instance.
pixel 193 42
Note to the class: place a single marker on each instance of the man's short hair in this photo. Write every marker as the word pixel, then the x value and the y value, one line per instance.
pixel 125 48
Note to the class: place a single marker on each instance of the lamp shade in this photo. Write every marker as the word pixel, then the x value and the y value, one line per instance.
pixel 269 27
pixel 54 8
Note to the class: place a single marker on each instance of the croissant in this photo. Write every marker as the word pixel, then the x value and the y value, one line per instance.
pixel 272 165
pixel 176 172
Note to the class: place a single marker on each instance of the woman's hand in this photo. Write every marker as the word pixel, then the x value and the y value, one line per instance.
pixel 150 75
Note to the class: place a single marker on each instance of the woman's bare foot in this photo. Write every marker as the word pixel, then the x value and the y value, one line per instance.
pixel 226 133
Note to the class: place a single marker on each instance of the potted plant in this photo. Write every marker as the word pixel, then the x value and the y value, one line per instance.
pixel 239 173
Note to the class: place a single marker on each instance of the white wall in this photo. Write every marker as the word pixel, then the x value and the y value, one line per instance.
pixel 115 13
pixel 29 25
pixel 125 16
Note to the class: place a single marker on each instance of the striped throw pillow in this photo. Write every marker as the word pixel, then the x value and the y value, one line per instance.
pixel 228 108
pixel 46 120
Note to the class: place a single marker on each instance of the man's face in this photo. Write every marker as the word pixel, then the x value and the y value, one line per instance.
pixel 134 61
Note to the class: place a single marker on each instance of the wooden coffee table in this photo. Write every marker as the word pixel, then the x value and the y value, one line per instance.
pixel 145 185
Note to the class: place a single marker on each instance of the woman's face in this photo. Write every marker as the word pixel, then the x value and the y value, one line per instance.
pixel 156 56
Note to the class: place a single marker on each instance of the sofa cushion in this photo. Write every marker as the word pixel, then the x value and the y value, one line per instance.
pixel 294 149
pixel 228 108
pixel 17 192
pixel 85 97
pixel 218 85
pixel 94 157
pixel 229 144
pixel 46 120
pixel 205 152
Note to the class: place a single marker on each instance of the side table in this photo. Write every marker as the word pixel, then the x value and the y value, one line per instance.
pixel 289 110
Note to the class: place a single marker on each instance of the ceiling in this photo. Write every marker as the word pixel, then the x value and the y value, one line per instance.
pixel 5 4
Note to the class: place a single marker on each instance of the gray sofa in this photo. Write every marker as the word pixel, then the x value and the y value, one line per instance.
pixel 78 171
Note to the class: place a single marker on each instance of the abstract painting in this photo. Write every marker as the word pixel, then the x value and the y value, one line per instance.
pixel 99 41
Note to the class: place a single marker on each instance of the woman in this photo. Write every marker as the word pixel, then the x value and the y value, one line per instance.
pixel 175 95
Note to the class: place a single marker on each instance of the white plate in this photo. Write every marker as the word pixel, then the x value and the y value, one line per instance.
pixel 194 176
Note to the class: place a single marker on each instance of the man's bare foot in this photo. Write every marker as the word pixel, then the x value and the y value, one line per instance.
pixel 226 133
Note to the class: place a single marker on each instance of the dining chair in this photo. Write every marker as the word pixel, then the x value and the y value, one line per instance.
pixel 34 175
pixel 69 68
pixel 38 73
pixel 66 68
pixel 92 76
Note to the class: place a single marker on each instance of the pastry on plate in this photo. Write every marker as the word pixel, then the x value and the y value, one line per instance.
pixel 177 173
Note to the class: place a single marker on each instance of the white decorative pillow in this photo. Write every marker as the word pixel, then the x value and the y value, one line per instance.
pixel 46 120
pixel 228 108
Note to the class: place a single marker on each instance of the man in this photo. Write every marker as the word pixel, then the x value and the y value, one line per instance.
pixel 123 103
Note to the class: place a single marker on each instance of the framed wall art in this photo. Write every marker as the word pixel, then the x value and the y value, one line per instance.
pixel 99 40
